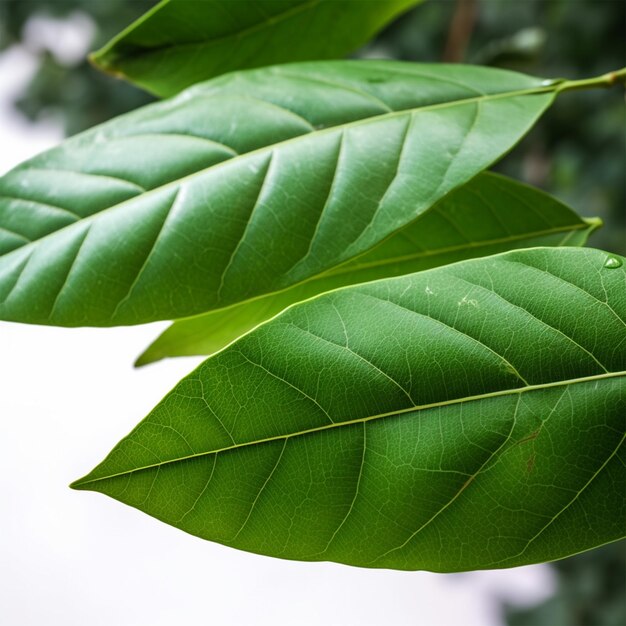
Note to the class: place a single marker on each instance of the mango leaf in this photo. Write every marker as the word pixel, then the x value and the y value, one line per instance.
pixel 489 214
pixel 246 185
pixel 470 416
pixel 180 42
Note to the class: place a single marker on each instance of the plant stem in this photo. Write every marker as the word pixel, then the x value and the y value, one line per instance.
pixel 606 80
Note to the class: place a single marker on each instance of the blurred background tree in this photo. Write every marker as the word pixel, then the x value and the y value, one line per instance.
pixel 577 151
pixel 66 87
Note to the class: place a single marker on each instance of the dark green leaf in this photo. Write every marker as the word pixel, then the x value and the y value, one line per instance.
pixel 246 185
pixel 182 42
pixel 489 214
pixel 469 416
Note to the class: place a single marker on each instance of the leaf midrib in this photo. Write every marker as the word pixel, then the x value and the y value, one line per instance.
pixel 316 133
pixel 348 267
pixel 494 394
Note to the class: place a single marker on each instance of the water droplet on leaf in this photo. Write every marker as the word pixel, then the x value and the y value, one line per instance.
pixel 549 82
pixel 612 262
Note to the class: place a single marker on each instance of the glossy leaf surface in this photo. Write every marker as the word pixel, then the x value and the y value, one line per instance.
pixel 246 185
pixel 182 42
pixel 490 214
pixel 469 416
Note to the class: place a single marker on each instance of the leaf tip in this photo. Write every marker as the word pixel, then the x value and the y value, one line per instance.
pixel 145 358
pixel 97 60
pixel 102 61
pixel 81 484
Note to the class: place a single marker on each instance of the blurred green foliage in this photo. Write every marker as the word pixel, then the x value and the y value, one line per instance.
pixel 590 592
pixel 78 93
pixel 577 152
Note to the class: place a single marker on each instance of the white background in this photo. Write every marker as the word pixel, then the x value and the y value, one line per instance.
pixel 73 558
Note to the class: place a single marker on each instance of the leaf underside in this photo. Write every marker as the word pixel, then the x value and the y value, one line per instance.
pixel 470 416
pixel 490 214
pixel 246 185
pixel 180 43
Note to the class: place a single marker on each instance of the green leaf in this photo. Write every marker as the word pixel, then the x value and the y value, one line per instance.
pixel 246 185
pixel 489 214
pixel 180 43
pixel 470 416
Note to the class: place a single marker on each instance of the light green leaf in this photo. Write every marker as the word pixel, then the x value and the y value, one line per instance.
pixel 470 416
pixel 489 214
pixel 246 185
pixel 182 42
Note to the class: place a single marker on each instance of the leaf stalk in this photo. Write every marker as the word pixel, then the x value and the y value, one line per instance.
pixel 605 81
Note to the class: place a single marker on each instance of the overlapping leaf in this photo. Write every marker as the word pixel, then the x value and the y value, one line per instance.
pixel 489 214
pixel 470 416
pixel 182 42
pixel 246 185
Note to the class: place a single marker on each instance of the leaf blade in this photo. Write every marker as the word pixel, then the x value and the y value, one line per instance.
pixel 180 43
pixel 224 239
pixel 460 396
